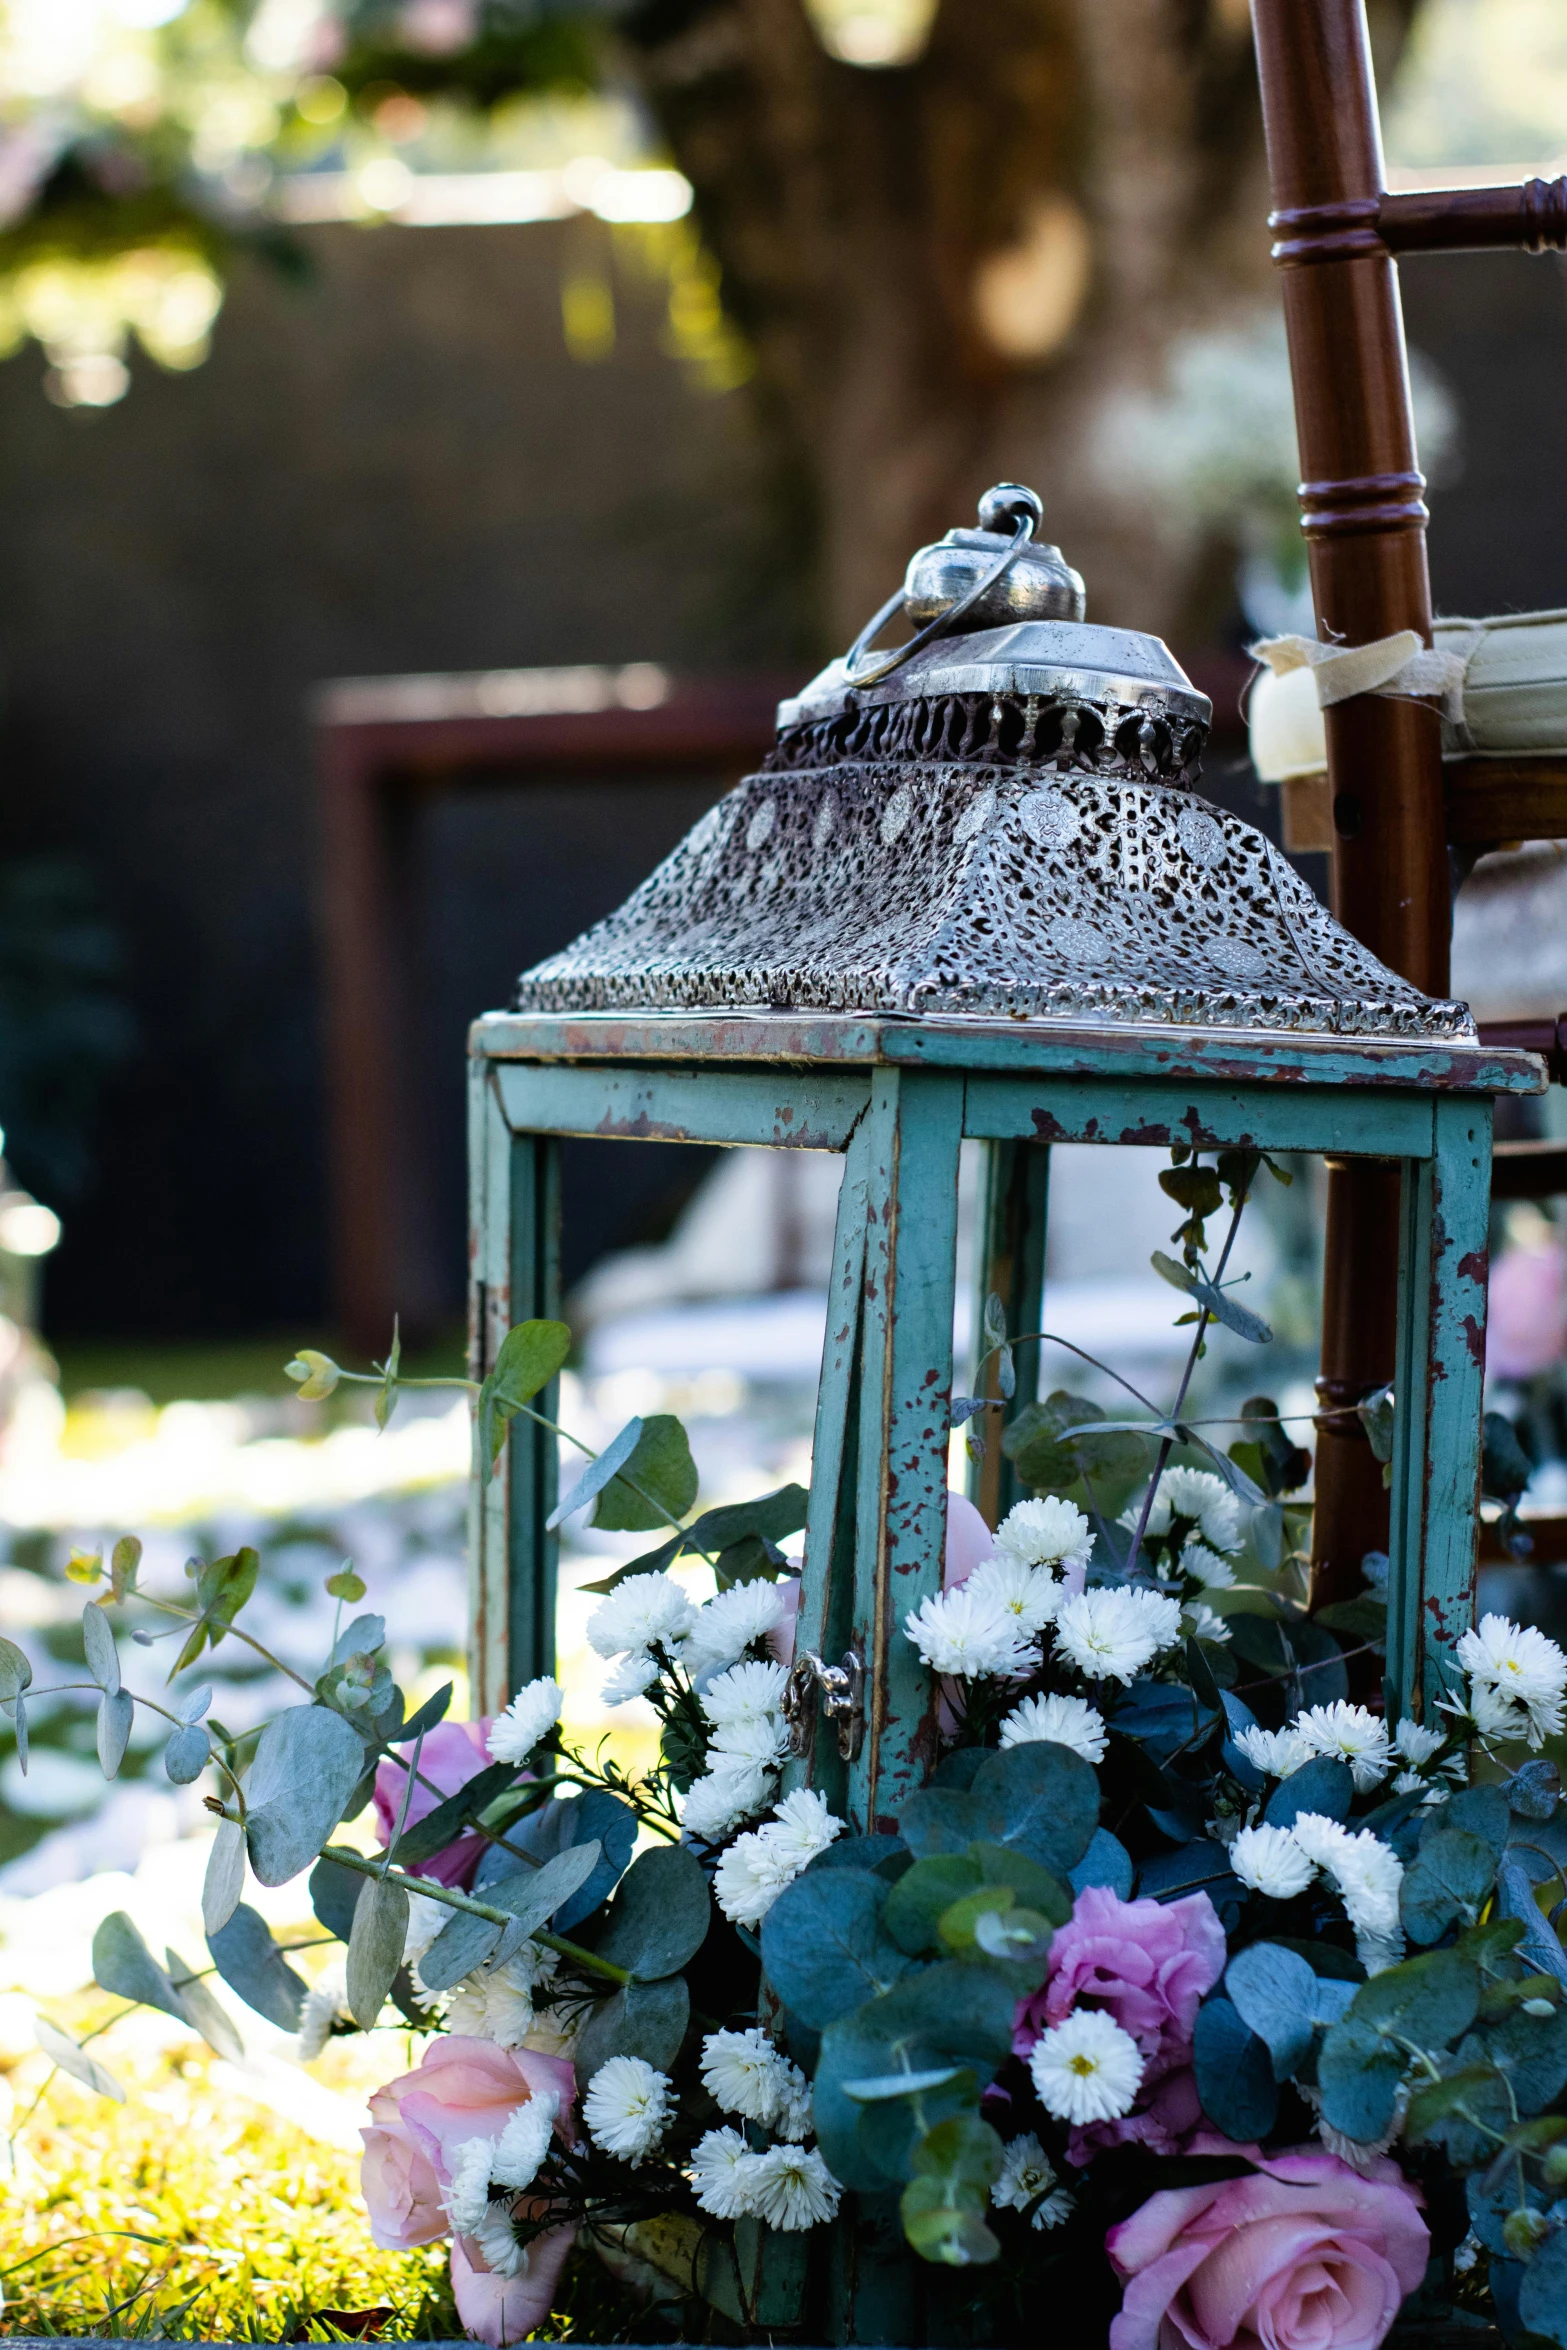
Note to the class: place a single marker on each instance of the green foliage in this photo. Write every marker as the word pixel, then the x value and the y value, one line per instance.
pixel 741 1537
pixel 824 1945
pixel 530 1355
pixel 1036 1799
pixel 1048 1461
pixel 308 1763
pixel 656 1484
pixel 221 1591
pixel 251 1963
pixel 944 2204
pixel 644 2019
pixel 1284 2001
pixel 659 1917
pixel 1449 1880
pixel 1429 2001
pixel 1212 1300
pixel 1235 2075
pixel 375 1947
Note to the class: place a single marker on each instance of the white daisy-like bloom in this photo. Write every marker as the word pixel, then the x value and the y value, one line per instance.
pixel 796 2112
pixel 719 2176
pixel 744 2073
pixel 967 1633
pixel 1201 1499
pixel 791 2188
pixel 324 2007
pixel 1110 1634
pixel 1027 2177
pixel 426 1919
pixel 638 1612
pixel 1064 1721
pixel 1431 1791
pixel 525 2141
pixel 1276 1753
pixel 1367 1874
pixel 1086 2069
pixel 1518 1664
pixel 493 2003
pixel 729 1624
pixel 756 1868
pixel 745 1693
pixel 467 2196
pixel 1416 1743
pixel 757 1744
pixel 1270 1861
pixel 1207 1568
pixel 515 1733
pixel 1202 1624
pixel 631 1677
pixel 628 2107
pixel 1493 1716
pixel 497 2241
pixel 719 1802
pixel 1346 1733
pixel 1029 1595
pixel 1045 1533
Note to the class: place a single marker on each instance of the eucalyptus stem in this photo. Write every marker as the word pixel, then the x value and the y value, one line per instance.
pixel 1167 1443
pixel 450 1898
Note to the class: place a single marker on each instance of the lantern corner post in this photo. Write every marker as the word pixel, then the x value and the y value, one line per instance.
pixel 1438 1397
pixel 914 1134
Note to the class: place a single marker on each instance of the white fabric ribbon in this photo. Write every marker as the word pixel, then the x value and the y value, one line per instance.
pixel 1286 718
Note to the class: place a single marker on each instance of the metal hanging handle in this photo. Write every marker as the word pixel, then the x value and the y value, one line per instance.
pixel 841 1690
pixel 1023 521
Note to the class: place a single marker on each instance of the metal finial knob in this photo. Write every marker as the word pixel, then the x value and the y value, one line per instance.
pixel 1001 508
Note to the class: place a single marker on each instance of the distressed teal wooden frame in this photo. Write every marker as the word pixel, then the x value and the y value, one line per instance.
pixel 898 1098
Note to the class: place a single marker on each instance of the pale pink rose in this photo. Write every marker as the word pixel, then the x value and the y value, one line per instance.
pixel 1147 1963
pixel 780 1640
pixel 503 2309
pixel 463 2089
pixel 1526 1317
pixel 452 1754
pixel 1304 2254
pixel 969 1540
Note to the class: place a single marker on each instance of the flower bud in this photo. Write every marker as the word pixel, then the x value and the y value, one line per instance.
pixel 315 1374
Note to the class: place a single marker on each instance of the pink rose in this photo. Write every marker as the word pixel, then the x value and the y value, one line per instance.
pixel 1162 2120
pixel 503 2309
pixel 1305 2254
pixel 1147 1963
pixel 453 1753
pixel 1526 1317
pixel 463 2089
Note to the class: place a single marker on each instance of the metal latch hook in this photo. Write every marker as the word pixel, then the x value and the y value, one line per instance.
pixel 841 1690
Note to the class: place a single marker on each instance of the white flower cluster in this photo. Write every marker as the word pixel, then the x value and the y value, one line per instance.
pixel 789 2187
pixel 1112 1633
pixel 756 1868
pixel 744 2073
pixel 515 1733
pixel 496 2003
pixel 628 2107
pixel 992 1623
pixel 749 1740
pixel 651 1613
pixel 510 2162
pixel 1027 2180
pixel 1086 2068
pixel 1346 1733
pixel 1064 1721
pixel 1366 1873
pixel 324 2009
pixel 1201 1502
pixel 1517 1680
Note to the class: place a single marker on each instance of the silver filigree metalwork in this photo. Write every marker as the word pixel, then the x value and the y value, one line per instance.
pixel 1005 826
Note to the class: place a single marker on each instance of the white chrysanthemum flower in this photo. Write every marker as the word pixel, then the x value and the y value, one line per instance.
pixel 967 1633
pixel 1361 2154
pixel 325 2007
pixel 757 1744
pixel 1201 1499
pixel 1086 2069
pixel 1492 1714
pixel 1027 2177
pixel 515 1733
pixel 719 2174
pixel 1276 1753
pixel 757 1867
pixel 1416 1743
pixel 791 2188
pixel 1367 1873
pixel 497 2241
pixel 1346 1733
pixel 1207 1568
pixel 525 2141
pixel 638 1612
pixel 729 1624
pixel 796 2112
pixel 1112 1633
pixel 493 2003
pixel 628 2107
pixel 745 1693
pixel 1202 1624
pixel 1270 1861
pixel 467 2197
pixel 1518 1664
pixel 744 2073
pixel 1029 1595
pixel 426 1919
pixel 630 1678
pixel 1045 1533
pixel 1431 1792
pixel 1064 1721
pixel 720 1802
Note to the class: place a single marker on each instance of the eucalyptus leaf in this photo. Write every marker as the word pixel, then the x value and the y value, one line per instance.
pixel 251 1963
pixel 187 1753
pixel 362 1637
pixel 1284 2001
pixel 15 1672
pixel 116 1716
pixel 1041 1799
pixel 307 1765
pixel 442 1826
pixel 530 1898
pixel 655 1484
pixel 596 1817
pixel 597 1475
pixel 881 2087
pixel 76 2061
pixel 824 1949
pixel 529 1356
pixel 1106 1862
pixel 375 1948
pixel 1235 2077
pixel 1449 1879
pixel 1214 1301
pixel 1539 1946
pixel 1323 1785
pixel 224 1880
pixel 210 2019
pixel 124 1966
pixel 1533 1791
pixel 645 2019
pixel 770 1519
pixel 659 1917
pixel 98 1640
pixel 1542 2292
pixel 334 1896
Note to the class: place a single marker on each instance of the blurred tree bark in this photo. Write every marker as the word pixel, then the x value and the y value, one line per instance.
pixel 859 216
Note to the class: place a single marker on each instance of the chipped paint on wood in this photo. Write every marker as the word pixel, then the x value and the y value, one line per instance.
pixel 804 1112
pixel 1153 1114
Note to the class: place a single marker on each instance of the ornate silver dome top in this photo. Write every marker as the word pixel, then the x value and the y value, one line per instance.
pixel 989 820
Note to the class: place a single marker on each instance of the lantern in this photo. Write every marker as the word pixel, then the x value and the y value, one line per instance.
pixel 975 891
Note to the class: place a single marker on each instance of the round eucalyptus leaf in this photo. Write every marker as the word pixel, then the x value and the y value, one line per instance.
pixel 251 1963
pixel 307 1765
pixel 186 1755
pixel 1448 1880
pixel 1042 1799
pixel 1234 2073
pixel 659 1917
pixel 824 1949
pixel 645 2019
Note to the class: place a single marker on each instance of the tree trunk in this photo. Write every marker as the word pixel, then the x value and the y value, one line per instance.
pixel 854 211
